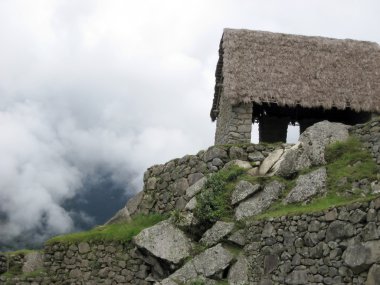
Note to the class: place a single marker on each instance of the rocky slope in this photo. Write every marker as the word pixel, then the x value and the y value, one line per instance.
pixel 244 214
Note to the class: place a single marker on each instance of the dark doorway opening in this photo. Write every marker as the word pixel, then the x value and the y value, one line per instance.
pixel 273 120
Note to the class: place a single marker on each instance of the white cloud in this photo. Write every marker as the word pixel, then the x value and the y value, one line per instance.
pixel 121 85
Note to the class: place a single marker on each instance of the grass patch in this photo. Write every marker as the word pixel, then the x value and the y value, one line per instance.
pixel 317 205
pixel 34 274
pixel 122 232
pixel 234 249
pixel 214 203
pixel 19 252
pixel 16 271
pixel 348 162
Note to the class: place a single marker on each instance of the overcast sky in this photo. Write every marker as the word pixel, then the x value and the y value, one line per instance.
pixel 120 85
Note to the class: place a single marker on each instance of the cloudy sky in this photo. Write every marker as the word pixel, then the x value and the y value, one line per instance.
pixel 94 87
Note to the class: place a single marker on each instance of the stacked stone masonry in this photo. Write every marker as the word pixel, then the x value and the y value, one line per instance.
pixel 328 247
pixel 315 248
pixel 91 264
pixel 235 126
pixel 165 185
pixel 369 134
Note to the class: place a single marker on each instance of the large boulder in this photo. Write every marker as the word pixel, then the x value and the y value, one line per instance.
pixel 238 273
pixel 212 261
pixel 130 209
pixel 307 186
pixel 196 188
pixel 310 151
pixel 259 201
pixel 360 256
pixel 373 275
pixel 238 237
pixel 32 262
pixel 134 202
pixel 121 216
pixel 270 161
pixel 207 264
pixel 165 241
pixel 243 190
pixel 216 233
pixel 315 139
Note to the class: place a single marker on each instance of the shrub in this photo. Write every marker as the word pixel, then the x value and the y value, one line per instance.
pixel 213 203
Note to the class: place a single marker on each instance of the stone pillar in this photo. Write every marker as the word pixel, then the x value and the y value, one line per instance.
pixel 273 129
pixel 234 123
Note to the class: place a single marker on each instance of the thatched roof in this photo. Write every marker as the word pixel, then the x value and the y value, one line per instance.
pixel 293 70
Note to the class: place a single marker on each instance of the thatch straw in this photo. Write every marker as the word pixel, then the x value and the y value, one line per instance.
pixel 295 70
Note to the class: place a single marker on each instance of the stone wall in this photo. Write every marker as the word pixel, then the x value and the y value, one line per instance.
pixel 95 263
pixel 369 134
pixel 165 184
pixel 234 123
pixel 89 263
pixel 330 247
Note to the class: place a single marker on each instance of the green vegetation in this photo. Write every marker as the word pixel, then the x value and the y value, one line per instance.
pixel 122 232
pixel 234 249
pixel 317 205
pixel 214 202
pixel 16 271
pixel 22 252
pixel 347 162
pixel 197 282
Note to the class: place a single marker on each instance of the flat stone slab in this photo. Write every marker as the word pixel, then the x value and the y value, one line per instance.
pixel 259 201
pixel 165 241
pixel 206 264
pixel 121 216
pixel 373 275
pixel 307 186
pixel 195 188
pixel 192 204
pixel 238 273
pixel 216 233
pixel 212 261
pixel 238 238
pixel 243 190
pixel 270 160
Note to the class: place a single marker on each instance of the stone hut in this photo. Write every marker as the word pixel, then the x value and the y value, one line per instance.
pixel 278 79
